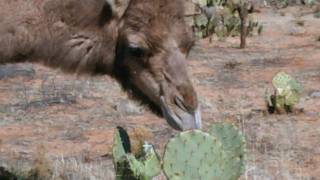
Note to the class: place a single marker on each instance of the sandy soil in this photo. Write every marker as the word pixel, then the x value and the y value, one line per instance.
pixel 74 117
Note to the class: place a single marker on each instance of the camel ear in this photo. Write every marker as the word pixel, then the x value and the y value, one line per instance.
pixel 119 7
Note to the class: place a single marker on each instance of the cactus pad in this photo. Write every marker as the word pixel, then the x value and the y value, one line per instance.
pixel 127 165
pixel 147 167
pixel 194 155
pixel 288 90
pixel 119 149
pixel 233 143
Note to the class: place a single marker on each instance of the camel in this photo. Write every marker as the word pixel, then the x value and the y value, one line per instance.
pixel 143 44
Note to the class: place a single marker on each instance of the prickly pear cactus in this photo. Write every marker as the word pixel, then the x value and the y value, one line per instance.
pixel 287 87
pixel 127 165
pixel 220 17
pixel 194 155
pixel 287 92
pixel 233 144
pixel 118 149
pixel 147 167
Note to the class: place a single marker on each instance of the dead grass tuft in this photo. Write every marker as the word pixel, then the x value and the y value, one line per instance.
pixel 75 169
pixel 42 167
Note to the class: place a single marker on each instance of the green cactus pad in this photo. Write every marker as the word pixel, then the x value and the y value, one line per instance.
pixel 287 88
pixel 201 20
pixel 284 84
pixel 147 167
pixel 127 165
pixel 118 150
pixel 194 155
pixel 233 143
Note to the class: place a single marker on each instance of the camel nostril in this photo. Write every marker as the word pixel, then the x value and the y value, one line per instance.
pixel 188 97
pixel 191 101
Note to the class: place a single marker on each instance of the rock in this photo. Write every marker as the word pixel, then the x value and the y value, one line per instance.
pixel 315 94
pixel 297 31
pixel 9 71
pixel 127 107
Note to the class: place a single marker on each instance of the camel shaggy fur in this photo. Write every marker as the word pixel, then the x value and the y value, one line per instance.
pixel 141 43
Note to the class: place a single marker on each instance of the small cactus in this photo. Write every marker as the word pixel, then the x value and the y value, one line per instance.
pixel 129 166
pixel 287 93
pixel 233 143
pixel 287 87
pixel 194 155
pixel 147 166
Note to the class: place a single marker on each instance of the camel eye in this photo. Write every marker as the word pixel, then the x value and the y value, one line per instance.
pixel 136 51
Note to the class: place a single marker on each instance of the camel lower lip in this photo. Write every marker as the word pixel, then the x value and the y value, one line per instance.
pixel 182 120
pixel 172 119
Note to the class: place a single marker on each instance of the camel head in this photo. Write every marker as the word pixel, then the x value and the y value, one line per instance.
pixel 151 59
pixel 144 44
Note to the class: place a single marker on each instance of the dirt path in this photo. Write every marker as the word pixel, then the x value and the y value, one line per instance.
pixel 75 116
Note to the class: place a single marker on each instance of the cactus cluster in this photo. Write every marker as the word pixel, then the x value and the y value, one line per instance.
pixel 218 154
pixel 286 95
pixel 142 166
pixel 221 18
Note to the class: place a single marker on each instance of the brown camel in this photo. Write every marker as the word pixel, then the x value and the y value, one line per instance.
pixel 141 43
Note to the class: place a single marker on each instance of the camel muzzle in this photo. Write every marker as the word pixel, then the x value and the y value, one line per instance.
pixel 179 117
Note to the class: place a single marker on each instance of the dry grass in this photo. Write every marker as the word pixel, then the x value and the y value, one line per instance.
pixel 75 169
pixel 62 169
